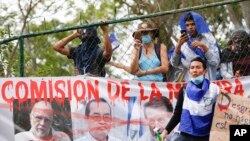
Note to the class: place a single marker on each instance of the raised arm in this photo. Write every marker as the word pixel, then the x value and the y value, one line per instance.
pixel 60 46
pixel 175 59
pixel 134 67
pixel 107 45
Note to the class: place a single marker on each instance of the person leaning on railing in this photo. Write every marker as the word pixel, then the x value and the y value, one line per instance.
pixel 88 56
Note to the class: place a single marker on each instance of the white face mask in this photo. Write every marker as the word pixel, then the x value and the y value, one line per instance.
pixel 198 80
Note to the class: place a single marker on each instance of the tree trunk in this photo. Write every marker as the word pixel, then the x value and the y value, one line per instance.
pixel 246 10
pixel 233 17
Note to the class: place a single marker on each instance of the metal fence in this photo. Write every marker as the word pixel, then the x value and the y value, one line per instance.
pixel 123 28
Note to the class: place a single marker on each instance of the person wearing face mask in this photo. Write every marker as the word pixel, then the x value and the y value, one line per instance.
pixel 149 60
pixel 149 63
pixel 88 57
pixel 194 107
pixel 234 57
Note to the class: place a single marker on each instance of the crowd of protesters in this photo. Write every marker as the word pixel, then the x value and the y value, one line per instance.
pixel 197 55
pixel 151 60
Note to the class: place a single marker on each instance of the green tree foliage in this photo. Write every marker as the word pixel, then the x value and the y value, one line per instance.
pixel 217 17
pixel 40 58
pixel 5 51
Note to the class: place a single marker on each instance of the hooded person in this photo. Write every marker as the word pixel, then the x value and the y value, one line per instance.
pixel 196 41
pixel 234 57
pixel 85 54
pixel 88 57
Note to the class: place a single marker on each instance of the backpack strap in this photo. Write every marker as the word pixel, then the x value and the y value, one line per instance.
pixel 158 54
pixel 140 51
pixel 158 51
pixel 157 48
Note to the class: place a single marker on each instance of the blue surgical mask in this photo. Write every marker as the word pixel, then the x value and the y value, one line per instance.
pixel 146 39
pixel 198 80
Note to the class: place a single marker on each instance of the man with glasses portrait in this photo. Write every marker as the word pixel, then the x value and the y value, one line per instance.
pixel 41 120
pixel 99 118
pixel 156 112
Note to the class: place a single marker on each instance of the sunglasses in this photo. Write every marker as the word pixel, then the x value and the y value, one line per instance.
pixel 145 32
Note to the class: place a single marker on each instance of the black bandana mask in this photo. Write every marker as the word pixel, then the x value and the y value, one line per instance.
pixel 90 40
pixel 87 50
pixel 240 39
pixel 90 36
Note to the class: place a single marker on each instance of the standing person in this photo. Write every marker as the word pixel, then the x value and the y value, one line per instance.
pixel 41 119
pixel 194 107
pixel 149 60
pixel 88 56
pixel 196 40
pixel 235 56
pixel 98 114
pixel 149 63
pixel 156 111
